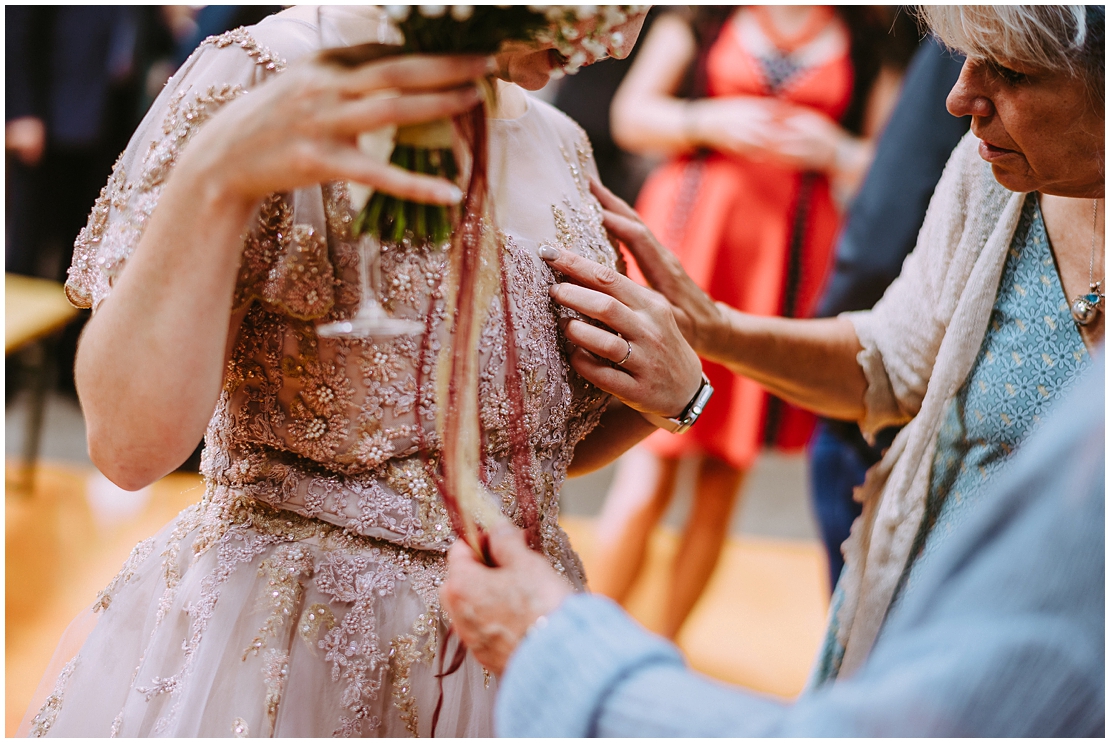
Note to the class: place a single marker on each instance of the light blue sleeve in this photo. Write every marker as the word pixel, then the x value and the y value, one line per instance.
pixel 592 671
pixel 1005 636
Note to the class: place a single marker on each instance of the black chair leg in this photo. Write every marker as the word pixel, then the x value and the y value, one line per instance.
pixel 39 371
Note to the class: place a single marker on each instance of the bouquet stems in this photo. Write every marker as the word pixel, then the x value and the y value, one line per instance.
pixel 427 149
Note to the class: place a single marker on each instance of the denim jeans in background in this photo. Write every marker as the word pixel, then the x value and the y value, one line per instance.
pixel 836 467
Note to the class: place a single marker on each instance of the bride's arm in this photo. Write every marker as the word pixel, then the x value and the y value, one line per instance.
pixel 620 428
pixel 151 361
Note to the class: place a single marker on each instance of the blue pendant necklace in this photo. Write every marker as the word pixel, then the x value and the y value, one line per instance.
pixel 1086 307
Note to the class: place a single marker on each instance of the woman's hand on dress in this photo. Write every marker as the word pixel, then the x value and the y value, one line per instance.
pixel 492 608
pixel 301 127
pixel 642 358
pixel 694 311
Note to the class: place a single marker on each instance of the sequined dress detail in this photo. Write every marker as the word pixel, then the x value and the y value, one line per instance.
pixel 299 597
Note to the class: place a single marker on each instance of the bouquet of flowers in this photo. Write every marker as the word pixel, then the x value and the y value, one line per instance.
pixel 466 29
pixel 457 149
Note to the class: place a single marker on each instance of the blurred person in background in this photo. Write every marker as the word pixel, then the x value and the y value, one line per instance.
pixel 879 232
pixel 992 318
pixel 69 92
pixel 963 608
pixel 781 106
pixel 78 79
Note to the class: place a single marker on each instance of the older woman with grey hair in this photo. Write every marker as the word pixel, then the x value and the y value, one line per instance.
pixel 992 320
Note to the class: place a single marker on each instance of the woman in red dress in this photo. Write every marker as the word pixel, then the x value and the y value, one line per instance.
pixel 774 135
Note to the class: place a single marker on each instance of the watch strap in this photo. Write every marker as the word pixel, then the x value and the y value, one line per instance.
pixel 689 415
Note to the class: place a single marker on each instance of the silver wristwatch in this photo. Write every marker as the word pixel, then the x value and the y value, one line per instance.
pixel 689 415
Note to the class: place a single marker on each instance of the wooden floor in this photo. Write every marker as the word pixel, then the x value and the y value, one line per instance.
pixel 761 618
pixel 758 625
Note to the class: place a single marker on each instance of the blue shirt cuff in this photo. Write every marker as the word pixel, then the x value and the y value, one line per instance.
pixel 560 675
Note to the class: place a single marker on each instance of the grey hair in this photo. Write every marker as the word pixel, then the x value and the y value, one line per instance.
pixel 1047 37
pixel 1058 38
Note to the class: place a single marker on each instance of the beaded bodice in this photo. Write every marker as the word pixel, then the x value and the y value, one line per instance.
pixel 333 428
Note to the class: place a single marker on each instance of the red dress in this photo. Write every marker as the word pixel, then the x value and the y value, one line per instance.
pixel 757 236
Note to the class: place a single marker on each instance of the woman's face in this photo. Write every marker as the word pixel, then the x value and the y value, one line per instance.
pixel 530 66
pixel 1040 131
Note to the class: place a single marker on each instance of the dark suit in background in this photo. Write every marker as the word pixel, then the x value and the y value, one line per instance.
pixel 72 67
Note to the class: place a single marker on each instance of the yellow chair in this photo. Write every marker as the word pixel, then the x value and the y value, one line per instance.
pixel 34 311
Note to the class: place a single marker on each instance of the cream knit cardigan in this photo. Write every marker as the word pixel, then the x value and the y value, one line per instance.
pixel 919 343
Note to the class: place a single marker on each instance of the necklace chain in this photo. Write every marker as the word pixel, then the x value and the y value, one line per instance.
pixel 1094 242
pixel 1086 308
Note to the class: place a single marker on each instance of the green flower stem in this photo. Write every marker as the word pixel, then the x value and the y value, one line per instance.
pixel 395 219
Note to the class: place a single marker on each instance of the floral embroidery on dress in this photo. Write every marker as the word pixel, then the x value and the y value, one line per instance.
pixel 406 651
pixel 284 570
pixel 319 452
pixel 318 617
pixel 104 245
pixel 138 555
pixel 87 283
pixel 262 56
pixel 275 671
pixel 286 265
pixel 44 719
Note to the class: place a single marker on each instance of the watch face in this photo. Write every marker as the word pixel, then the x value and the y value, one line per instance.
pixel 705 392
pixel 690 415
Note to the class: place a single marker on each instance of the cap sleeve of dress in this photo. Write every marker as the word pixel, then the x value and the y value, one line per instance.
pixel 222 69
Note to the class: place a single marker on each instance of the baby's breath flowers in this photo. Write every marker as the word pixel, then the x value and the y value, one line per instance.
pixel 584 34
pixel 581 34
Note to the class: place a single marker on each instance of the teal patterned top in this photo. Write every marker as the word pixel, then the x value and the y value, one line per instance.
pixel 1031 355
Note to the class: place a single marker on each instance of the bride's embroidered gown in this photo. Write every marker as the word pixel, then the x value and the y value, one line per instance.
pixel 299 596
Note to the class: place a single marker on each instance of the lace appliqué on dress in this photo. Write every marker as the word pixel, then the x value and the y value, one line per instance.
pixel 317 496
pixel 41 722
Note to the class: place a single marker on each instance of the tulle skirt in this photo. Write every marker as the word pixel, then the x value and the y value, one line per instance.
pixel 241 620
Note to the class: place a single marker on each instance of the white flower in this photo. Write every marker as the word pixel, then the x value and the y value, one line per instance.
pixel 398 12
pixel 594 47
pixel 462 12
pixel 614 16
pixel 432 11
pixel 575 62
pixel 544 36
pixel 585 12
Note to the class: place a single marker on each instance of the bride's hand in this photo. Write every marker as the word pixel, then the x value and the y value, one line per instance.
pixel 300 128
pixel 644 362
pixel 696 314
